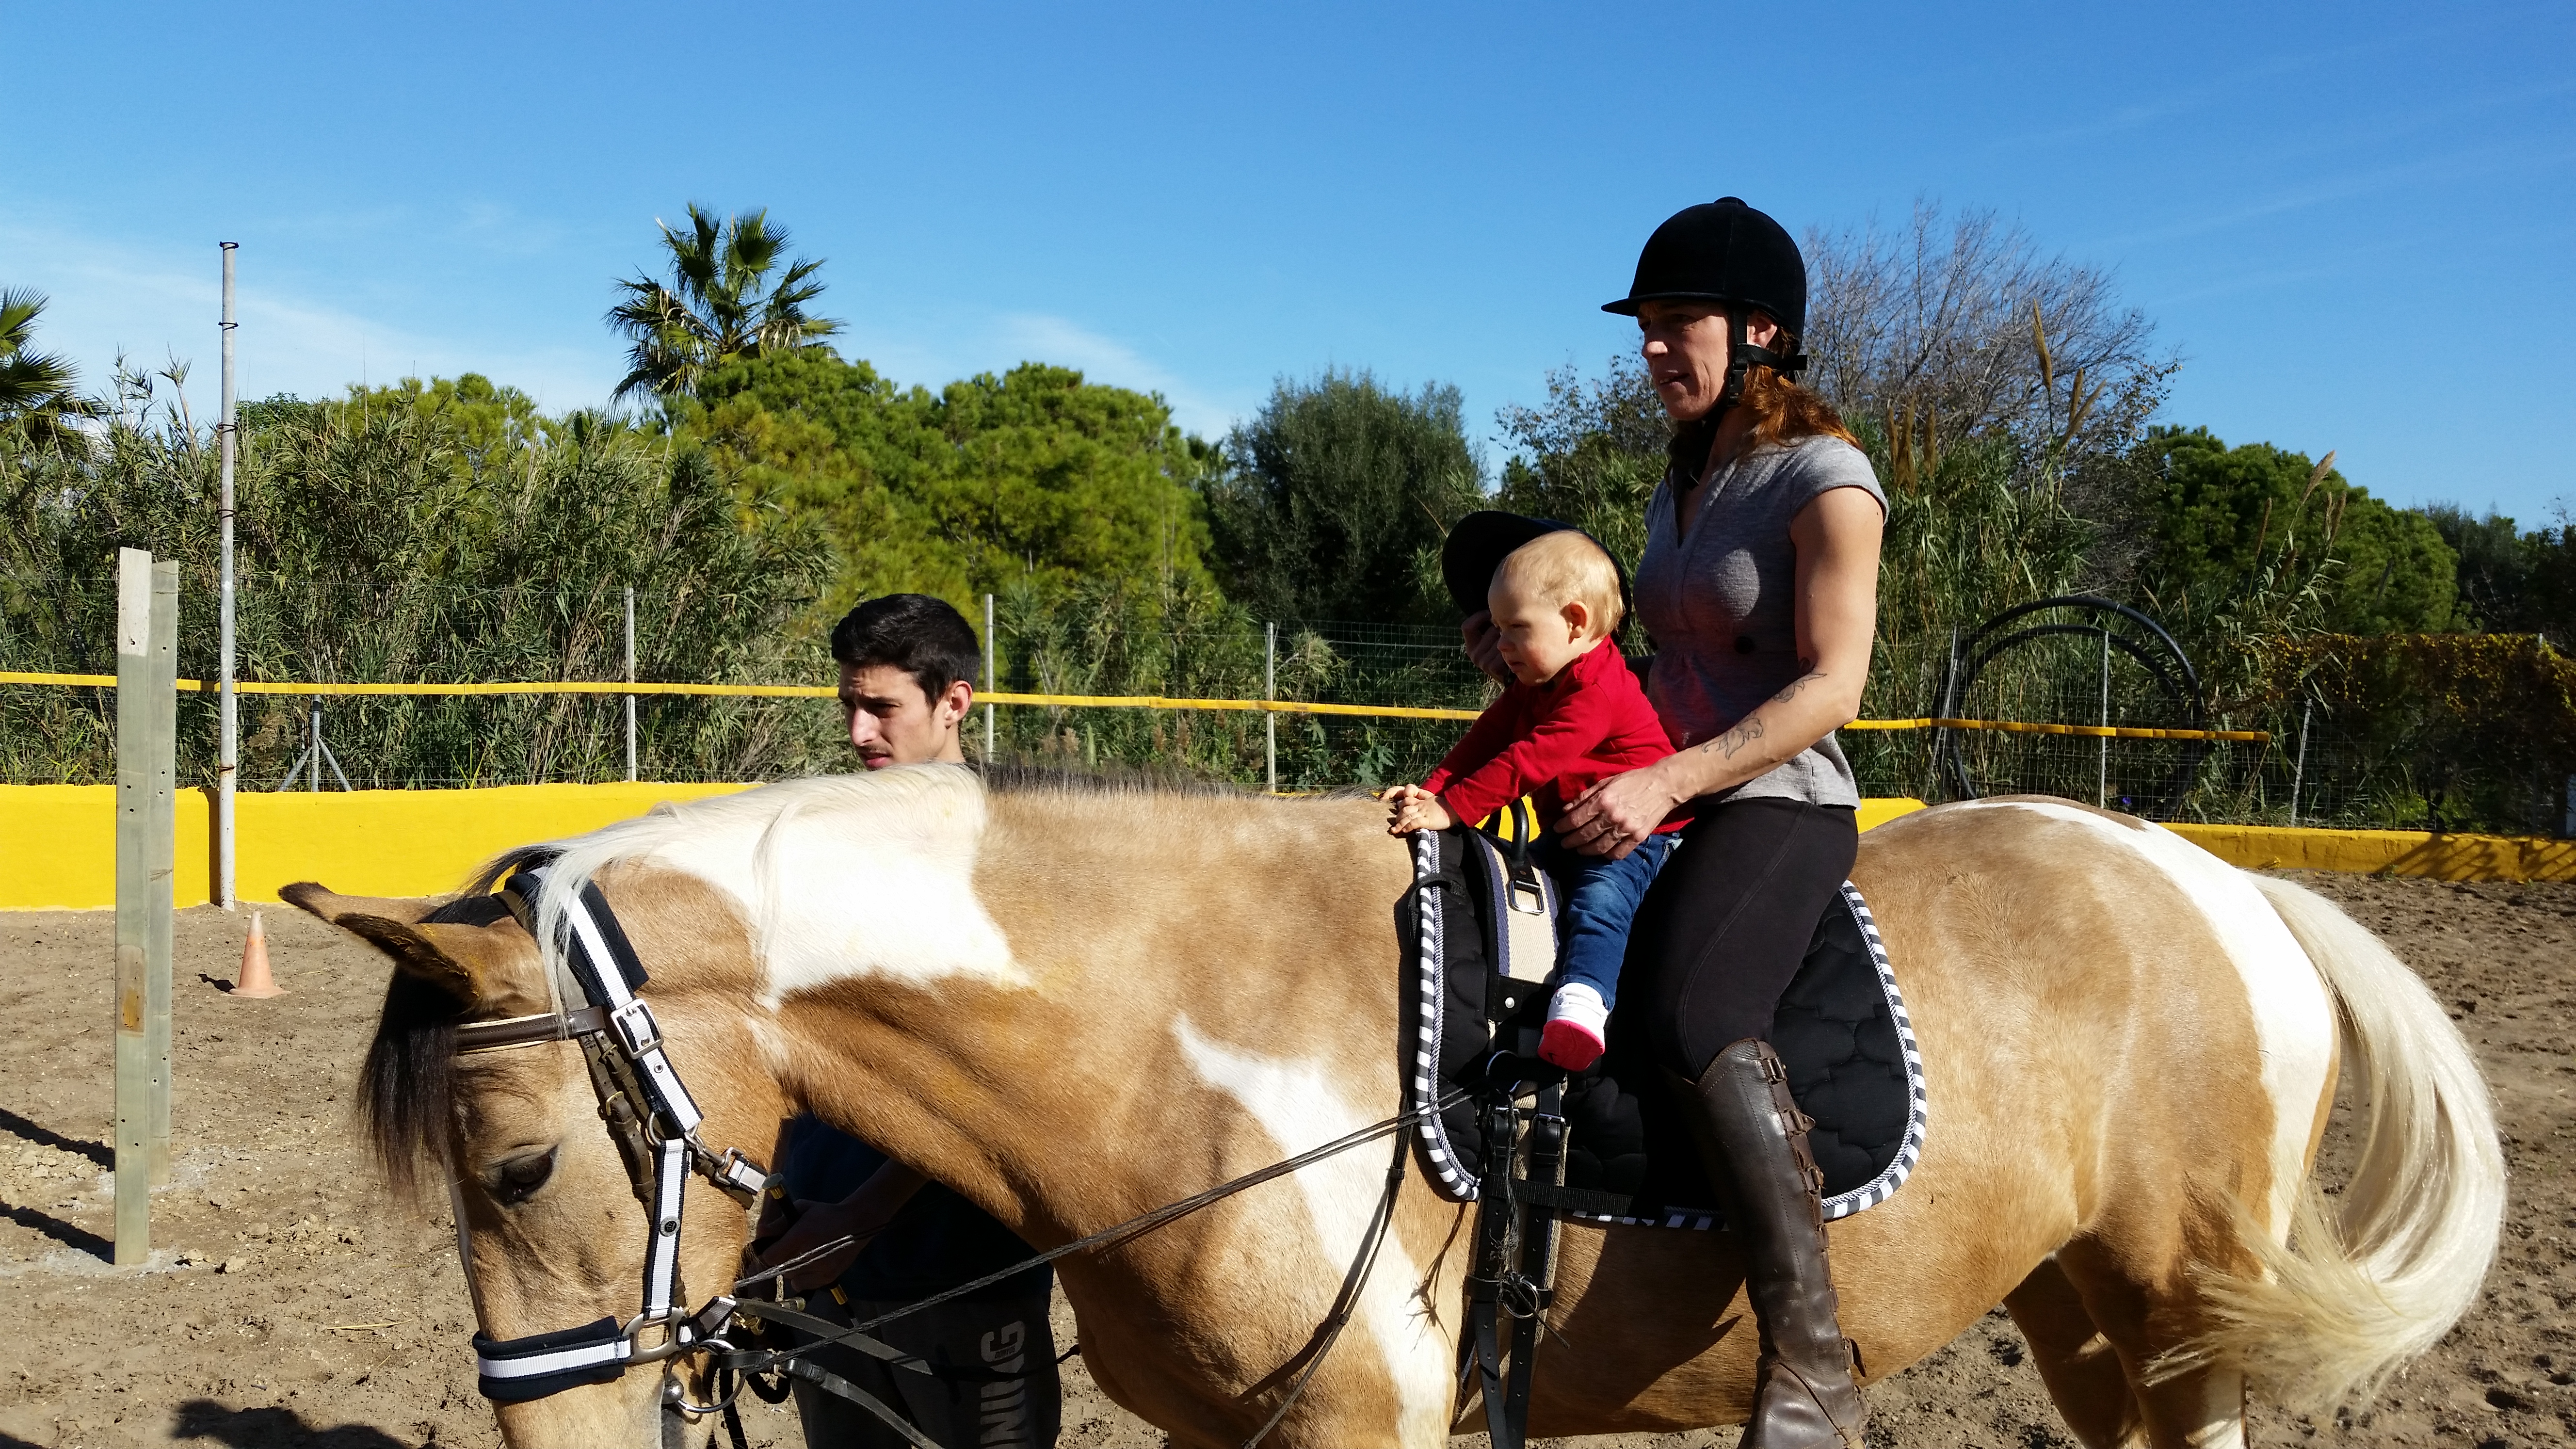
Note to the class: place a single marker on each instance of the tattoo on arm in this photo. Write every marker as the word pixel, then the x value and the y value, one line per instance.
pixel 1801 682
pixel 1753 727
pixel 1731 743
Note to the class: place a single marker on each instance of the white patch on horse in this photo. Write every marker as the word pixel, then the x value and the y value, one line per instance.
pixel 769 1042
pixel 2222 1407
pixel 2294 1020
pixel 839 876
pixel 1300 1104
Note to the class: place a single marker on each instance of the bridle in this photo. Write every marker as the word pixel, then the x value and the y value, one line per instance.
pixel 655 1122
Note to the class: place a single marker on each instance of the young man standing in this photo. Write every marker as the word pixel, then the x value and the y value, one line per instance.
pixel 908 662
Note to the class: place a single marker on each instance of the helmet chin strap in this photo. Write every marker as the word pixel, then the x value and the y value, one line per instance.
pixel 1742 356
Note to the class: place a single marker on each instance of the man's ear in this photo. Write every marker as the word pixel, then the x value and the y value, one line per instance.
pixel 954 702
pixel 492 969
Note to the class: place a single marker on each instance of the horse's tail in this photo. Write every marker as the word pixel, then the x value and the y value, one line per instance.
pixel 2358 1292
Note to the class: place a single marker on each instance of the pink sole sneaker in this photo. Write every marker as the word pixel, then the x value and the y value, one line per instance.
pixel 1569 1045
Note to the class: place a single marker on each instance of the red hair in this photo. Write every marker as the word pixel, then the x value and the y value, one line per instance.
pixel 1784 411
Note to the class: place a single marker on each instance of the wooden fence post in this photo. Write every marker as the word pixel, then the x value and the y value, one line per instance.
pixel 147 627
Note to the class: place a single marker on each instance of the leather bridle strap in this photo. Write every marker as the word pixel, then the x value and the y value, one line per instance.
pixel 647 1105
pixel 519 1031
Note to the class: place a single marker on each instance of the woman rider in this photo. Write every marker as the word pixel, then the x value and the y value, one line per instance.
pixel 1759 588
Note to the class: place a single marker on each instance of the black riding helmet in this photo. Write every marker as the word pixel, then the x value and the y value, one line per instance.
pixel 1482 540
pixel 1726 253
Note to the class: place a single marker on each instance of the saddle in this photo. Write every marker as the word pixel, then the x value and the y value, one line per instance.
pixel 1479 928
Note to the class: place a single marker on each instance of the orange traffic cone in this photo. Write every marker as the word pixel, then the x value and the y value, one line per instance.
pixel 255 980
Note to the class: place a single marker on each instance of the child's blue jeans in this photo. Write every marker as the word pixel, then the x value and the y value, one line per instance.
pixel 1601 897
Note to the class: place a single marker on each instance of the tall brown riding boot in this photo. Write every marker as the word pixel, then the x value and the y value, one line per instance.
pixel 1754 1139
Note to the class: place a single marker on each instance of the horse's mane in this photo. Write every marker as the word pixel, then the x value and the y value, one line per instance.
pixel 1017 778
pixel 407 1087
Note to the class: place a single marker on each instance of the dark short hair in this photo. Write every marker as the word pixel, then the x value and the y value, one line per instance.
pixel 924 637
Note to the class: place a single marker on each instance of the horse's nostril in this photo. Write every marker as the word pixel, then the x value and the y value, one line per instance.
pixel 517 1179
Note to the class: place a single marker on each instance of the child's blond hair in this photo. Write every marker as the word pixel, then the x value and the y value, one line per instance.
pixel 1561 567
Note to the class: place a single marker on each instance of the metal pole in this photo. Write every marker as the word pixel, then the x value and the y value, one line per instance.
pixel 1942 742
pixel 147 600
pixel 1270 691
pixel 315 784
pixel 2102 784
pixel 988 678
pixel 2299 765
pixel 630 678
pixel 228 727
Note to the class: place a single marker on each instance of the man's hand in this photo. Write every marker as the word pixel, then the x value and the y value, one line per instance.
pixel 1485 645
pixel 1413 808
pixel 809 1225
pixel 815 1223
pixel 1616 815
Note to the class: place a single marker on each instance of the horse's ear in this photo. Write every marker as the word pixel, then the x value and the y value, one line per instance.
pixel 487 967
pixel 311 896
pixel 417 952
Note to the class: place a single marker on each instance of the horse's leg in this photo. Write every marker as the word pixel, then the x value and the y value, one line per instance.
pixel 2079 1365
pixel 2143 1318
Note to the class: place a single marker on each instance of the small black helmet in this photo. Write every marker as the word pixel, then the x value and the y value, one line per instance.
pixel 1722 251
pixel 1478 543
pixel 1726 252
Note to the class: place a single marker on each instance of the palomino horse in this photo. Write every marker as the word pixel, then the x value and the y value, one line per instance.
pixel 1075 1005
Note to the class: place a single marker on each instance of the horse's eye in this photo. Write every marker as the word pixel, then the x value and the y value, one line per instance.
pixel 515 1181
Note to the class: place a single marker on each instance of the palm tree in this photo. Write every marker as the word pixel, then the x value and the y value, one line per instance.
pixel 37 400
pixel 718 305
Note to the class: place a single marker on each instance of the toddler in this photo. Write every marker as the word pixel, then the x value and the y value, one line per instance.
pixel 1572 716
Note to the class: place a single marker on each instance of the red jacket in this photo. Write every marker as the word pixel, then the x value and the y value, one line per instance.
pixel 1553 741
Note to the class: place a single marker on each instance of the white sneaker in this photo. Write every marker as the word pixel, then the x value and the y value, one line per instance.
pixel 1576 1025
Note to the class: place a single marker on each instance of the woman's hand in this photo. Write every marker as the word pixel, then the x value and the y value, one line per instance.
pixel 1485 645
pixel 1616 815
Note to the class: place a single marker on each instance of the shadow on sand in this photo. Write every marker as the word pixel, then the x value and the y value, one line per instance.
pixel 272 1429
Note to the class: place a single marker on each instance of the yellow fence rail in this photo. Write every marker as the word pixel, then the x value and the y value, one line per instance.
pixel 57 842
pixel 2026 727
pixel 1090 701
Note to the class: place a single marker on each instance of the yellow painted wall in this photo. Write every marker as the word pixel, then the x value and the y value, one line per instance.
pixel 2359 852
pixel 1879 812
pixel 2389 852
pixel 58 842
pixel 58 847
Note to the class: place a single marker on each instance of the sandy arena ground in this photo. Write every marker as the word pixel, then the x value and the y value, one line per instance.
pixel 290 1306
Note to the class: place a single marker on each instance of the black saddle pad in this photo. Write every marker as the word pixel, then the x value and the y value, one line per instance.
pixel 1841 1029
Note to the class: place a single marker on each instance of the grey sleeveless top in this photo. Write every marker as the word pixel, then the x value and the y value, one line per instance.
pixel 1721 607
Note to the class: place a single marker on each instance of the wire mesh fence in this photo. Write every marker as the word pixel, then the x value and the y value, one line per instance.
pixel 1338 662
pixel 2317 768
pixel 326 632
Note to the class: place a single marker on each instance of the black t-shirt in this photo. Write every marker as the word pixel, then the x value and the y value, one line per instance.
pixel 937 1242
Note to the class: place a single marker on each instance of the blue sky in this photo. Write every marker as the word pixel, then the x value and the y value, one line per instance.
pixel 2354 222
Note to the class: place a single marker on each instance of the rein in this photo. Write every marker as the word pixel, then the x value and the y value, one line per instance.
pixel 655 1122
